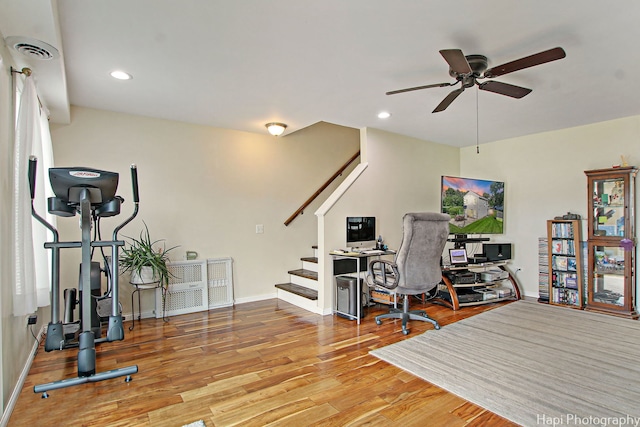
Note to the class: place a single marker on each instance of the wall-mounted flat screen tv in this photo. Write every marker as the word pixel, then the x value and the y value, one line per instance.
pixel 476 206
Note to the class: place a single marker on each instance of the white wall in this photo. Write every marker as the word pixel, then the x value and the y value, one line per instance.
pixel 544 177
pixel 205 189
pixel 402 175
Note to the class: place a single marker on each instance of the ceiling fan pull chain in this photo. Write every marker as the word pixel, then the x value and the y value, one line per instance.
pixel 477 123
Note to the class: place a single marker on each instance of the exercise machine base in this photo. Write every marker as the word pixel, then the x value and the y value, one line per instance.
pixel 100 376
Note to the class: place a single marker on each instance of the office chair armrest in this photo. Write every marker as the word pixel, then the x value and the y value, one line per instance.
pixel 383 273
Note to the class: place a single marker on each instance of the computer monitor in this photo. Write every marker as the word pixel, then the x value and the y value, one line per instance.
pixel 458 256
pixel 361 232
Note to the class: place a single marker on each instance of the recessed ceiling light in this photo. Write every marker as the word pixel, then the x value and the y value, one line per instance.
pixel 121 75
pixel 384 115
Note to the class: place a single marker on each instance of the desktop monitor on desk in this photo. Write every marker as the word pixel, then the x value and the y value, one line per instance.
pixel 361 232
pixel 497 251
pixel 458 257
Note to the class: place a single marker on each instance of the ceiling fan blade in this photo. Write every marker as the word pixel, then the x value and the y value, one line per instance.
pixel 456 60
pixel 393 92
pixel 526 62
pixel 505 89
pixel 448 100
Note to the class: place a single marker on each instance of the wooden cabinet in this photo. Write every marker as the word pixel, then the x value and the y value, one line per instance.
pixel 611 241
pixel 566 278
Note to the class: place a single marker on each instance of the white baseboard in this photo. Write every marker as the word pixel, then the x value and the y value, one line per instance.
pixel 327 312
pixel 298 301
pixel 312 308
pixel 256 298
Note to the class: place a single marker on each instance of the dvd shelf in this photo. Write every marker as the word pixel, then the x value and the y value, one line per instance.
pixel 565 263
pixel 543 270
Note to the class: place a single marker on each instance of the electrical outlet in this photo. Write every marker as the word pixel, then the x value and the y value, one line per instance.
pixel 32 319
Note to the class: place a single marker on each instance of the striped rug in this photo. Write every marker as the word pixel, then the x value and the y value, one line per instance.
pixel 534 364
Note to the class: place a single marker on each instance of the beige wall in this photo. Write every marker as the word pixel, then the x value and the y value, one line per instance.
pixel 206 189
pixel 544 177
pixel 402 175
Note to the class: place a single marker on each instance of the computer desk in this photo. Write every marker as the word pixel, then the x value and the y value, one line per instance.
pixel 344 268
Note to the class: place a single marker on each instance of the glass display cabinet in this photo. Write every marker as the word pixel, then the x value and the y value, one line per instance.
pixel 611 241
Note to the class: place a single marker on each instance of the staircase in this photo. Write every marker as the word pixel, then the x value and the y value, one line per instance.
pixel 302 288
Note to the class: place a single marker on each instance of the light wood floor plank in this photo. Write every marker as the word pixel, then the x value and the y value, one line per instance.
pixel 256 364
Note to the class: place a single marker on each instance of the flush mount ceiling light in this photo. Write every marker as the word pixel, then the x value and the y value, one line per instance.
pixel 276 129
pixel 384 115
pixel 121 75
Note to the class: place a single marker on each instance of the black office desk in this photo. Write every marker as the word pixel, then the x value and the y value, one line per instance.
pixel 353 262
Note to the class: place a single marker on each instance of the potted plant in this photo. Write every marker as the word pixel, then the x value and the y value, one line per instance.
pixel 146 260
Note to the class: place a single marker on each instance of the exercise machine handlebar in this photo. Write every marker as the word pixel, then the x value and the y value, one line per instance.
pixel 33 167
pixel 136 201
pixel 134 182
pixel 33 162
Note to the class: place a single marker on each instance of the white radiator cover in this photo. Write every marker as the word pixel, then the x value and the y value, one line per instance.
pixel 220 282
pixel 196 286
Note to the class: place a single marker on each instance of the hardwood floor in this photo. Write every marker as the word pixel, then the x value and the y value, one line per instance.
pixel 258 364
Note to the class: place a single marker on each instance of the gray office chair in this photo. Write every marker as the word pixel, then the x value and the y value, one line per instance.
pixel 416 268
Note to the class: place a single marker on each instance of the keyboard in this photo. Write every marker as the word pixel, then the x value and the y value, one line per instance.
pixel 372 252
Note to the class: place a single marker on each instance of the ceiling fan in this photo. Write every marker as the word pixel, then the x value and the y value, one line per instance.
pixel 467 70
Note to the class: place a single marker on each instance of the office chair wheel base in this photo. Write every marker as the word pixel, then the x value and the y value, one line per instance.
pixel 378 322
pixel 405 331
pixel 436 327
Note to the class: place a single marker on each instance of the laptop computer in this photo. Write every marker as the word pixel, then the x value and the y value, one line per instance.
pixel 458 257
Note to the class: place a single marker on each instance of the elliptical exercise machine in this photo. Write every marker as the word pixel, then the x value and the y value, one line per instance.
pixel 92 194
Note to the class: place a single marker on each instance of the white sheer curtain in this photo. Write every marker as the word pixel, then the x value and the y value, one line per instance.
pixel 32 137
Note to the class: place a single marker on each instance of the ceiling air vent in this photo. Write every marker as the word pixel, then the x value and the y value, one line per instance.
pixel 32 48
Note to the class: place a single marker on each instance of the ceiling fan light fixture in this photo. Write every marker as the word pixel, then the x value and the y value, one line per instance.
pixel 275 128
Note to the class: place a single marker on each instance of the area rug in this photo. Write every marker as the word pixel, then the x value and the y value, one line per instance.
pixel 534 364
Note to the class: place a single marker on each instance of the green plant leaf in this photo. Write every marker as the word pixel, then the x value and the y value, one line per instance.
pixel 144 252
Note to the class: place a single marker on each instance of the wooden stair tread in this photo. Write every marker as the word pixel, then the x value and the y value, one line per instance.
pixel 298 290
pixel 312 259
pixel 308 274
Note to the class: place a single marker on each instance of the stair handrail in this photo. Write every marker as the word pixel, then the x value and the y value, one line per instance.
pixel 301 209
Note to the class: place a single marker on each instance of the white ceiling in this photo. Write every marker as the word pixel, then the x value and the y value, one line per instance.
pixel 240 64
